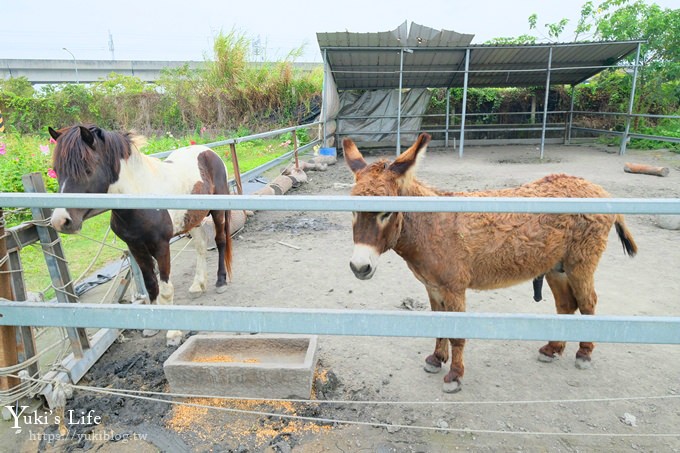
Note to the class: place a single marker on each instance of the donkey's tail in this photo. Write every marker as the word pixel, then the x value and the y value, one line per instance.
pixel 629 245
pixel 228 245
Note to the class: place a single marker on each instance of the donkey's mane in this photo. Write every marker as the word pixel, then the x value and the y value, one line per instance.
pixel 73 158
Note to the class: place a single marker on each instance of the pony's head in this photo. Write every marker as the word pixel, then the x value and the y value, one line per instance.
pixel 86 160
pixel 377 232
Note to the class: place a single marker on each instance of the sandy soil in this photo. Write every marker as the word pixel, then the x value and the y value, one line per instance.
pixel 268 274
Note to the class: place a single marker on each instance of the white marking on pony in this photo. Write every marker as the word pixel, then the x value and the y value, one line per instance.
pixel 142 174
pixel 364 255
pixel 59 218
pixel 166 293
pixel 201 276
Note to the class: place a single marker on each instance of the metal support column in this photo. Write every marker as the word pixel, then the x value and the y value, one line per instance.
pixel 448 107
pixel 631 101
pixel 571 114
pixel 401 74
pixel 464 109
pixel 545 101
pixel 324 102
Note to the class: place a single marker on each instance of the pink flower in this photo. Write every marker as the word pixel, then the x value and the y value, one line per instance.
pixel 3 148
pixel 45 149
pixel 51 173
pixel 52 140
pixel 203 129
pixel 192 142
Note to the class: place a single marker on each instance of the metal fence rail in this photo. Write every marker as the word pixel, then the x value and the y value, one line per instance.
pixel 348 203
pixel 349 322
pixel 490 326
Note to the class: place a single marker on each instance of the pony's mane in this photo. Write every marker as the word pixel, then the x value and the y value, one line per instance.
pixel 73 158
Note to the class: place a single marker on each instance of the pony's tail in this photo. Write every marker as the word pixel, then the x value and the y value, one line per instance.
pixel 629 245
pixel 228 245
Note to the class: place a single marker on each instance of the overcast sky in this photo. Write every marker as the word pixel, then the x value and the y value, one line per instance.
pixel 155 30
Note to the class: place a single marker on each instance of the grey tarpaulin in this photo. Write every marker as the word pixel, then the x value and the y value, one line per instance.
pixel 363 114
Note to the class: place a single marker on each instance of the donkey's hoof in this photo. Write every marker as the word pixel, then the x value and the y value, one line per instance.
pixel 547 358
pixel 149 332
pixel 432 364
pixel 583 363
pixel 221 289
pixel 173 338
pixel 452 387
pixel 432 368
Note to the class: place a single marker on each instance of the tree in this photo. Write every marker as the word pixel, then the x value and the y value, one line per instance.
pixel 634 20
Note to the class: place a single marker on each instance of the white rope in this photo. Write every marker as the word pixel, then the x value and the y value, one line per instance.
pixel 372 424
pixel 137 395
pixel 102 243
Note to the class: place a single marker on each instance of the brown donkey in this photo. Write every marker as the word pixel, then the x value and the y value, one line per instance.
pixel 450 252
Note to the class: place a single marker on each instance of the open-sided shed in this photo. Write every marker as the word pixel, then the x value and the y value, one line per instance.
pixel 366 75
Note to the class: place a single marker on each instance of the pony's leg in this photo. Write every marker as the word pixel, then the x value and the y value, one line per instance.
pixel 582 285
pixel 200 277
pixel 166 290
pixel 433 362
pixel 146 264
pixel 565 304
pixel 221 243
pixel 454 300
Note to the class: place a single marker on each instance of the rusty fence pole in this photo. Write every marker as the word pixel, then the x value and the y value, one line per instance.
pixel 8 339
pixel 237 172
pixel 295 148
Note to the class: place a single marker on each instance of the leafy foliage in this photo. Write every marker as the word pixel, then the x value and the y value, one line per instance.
pixel 228 93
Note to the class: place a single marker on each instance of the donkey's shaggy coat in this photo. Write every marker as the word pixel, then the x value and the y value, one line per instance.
pixel 450 252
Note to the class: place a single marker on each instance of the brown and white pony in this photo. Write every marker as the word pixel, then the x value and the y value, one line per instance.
pixel 88 159
pixel 450 252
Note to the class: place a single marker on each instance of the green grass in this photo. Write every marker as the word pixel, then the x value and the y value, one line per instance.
pixel 23 155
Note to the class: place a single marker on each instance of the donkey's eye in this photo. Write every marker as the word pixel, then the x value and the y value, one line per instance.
pixel 384 216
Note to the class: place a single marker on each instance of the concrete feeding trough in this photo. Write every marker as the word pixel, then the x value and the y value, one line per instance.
pixel 249 366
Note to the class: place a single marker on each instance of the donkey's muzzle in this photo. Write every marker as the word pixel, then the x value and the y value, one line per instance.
pixel 362 272
pixel 364 261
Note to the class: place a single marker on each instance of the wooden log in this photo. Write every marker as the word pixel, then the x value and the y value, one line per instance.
pixel 8 339
pixel 645 169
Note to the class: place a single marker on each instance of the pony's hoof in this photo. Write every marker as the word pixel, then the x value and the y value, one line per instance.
pixel 583 363
pixel 432 364
pixel 173 338
pixel 547 358
pixel 195 294
pixel 149 332
pixel 221 289
pixel 452 387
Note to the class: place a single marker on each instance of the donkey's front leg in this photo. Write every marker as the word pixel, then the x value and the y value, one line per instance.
pixel 433 362
pixel 454 300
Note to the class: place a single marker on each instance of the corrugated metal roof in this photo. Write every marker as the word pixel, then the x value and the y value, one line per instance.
pixel 436 58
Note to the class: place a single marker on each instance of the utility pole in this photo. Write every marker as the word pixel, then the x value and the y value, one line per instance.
pixel 75 63
pixel 113 57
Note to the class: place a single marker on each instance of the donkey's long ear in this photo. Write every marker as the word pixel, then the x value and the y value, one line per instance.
pixel 54 134
pixel 355 161
pixel 87 136
pixel 405 165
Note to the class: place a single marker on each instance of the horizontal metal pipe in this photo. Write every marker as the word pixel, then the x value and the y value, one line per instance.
pixel 243 139
pixel 503 326
pixel 346 203
pixel 500 68
pixel 473 47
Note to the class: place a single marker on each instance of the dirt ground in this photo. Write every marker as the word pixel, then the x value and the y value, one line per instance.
pixel 367 369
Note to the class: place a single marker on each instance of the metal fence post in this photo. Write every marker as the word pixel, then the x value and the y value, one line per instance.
pixel 56 262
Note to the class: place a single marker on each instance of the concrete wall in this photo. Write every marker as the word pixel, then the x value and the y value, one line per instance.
pixel 64 71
